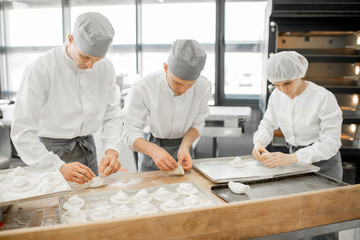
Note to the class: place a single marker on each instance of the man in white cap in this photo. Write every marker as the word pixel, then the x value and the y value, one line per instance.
pixel 66 95
pixel 170 106
pixel 307 114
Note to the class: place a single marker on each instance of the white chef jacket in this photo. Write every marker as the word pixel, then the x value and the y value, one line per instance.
pixel 312 117
pixel 59 100
pixel 152 104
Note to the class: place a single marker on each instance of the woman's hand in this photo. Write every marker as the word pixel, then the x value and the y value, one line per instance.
pixel 258 150
pixel 277 159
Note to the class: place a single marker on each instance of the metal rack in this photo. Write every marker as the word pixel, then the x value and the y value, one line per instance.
pixel 327 33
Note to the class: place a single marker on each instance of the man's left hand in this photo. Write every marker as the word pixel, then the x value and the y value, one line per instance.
pixel 110 160
pixel 184 158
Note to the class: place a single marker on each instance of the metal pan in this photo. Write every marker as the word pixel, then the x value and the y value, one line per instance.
pixel 278 187
pixel 218 170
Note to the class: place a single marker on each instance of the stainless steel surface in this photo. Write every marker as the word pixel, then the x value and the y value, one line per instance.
pixel 102 199
pixel 219 170
pixel 278 187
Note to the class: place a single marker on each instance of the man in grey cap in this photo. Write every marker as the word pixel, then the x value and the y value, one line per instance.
pixel 66 95
pixel 165 111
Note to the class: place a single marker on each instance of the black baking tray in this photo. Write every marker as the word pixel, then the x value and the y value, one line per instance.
pixel 279 186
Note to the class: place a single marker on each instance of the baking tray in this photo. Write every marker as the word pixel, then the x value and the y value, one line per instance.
pixel 218 170
pixel 278 187
pixel 102 199
pixel 33 174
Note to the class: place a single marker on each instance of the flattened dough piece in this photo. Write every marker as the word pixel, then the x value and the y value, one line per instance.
pixel 21 184
pixel 237 162
pixel 179 171
pixel 238 188
pixel 74 215
pixel 95 183
pixel 187 189
pixel 74 201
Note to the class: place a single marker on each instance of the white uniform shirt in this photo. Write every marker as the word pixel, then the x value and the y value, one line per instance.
pixel 59 100
pixel 312 117
pixel 151 103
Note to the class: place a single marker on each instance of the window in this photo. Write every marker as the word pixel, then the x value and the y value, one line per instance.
pixel 122 15
pixel 163 23
pixel 27 36
pixel 244 26
pixel 144 33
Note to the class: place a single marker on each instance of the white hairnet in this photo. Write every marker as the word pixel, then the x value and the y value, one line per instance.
pixel 285 66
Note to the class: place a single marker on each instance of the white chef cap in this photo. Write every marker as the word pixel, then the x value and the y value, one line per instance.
pixel 288 65
pixel 186 59
pixel 93 34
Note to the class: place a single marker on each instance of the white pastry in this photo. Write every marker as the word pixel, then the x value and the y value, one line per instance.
pixel 193 201
pixel 142 196
pixel 179 171
pixel 95 183
pixel 120 198
pixel 1 178
pixel 124 211
pixel 74 215
pixel 21 184
pixel 145 208
pixel 170 205
pixel 187 189
pixel 238 188
pixel 19 171
pixel 101 213
pixel 52 178
pixel 163 194
pixel 46 187
pixel 237 162
pixel 74 201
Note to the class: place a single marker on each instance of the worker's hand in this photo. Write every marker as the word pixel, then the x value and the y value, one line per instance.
pixel 277 159
pixel 163 160
pixel 184 158
pixel 76 172
pixel 110 160
pixel 258 150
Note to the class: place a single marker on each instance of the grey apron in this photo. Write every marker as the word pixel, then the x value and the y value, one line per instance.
pixel 79 149
pixel 146 163
pixel 331 167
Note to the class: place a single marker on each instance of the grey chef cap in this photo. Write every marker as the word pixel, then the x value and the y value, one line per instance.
pixel 187 59
pixel 288 65
pixel 93 34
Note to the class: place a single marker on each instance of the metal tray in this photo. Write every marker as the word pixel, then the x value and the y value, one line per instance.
pixel 218 170
pixel 278 187
pixel 7 197
pixel 102 199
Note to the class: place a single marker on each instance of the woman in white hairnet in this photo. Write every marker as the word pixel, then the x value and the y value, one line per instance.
pixel 307 114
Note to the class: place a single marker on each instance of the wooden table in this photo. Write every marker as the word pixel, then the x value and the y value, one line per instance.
pixel 242 220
